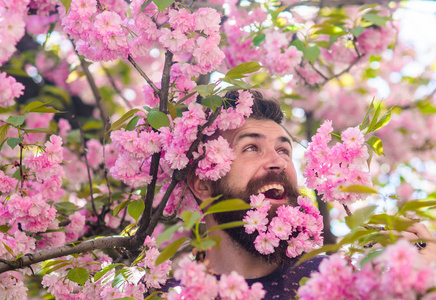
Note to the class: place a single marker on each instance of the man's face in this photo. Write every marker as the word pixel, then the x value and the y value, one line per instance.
pixel 263 164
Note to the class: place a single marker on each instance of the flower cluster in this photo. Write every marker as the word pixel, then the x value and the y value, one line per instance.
pixel 299 226
pixel 328 170
pixel 9 90
pixel 398 273
pixel 11 27
pixel 110 33
pixel 197 284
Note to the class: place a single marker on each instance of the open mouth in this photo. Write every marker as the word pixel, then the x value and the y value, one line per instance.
pixel 274 191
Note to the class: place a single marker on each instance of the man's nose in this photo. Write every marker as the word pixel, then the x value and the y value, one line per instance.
pixel 275 162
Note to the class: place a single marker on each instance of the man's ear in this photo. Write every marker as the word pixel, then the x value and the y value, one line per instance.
pixel 200 188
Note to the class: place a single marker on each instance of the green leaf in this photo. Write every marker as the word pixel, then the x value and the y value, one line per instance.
pixel 136 208
pixel 16 72
pixel 46 110
pixel 360 216
pixel 49 263
pixel 79 275
pixel 358 189
pixel 228 205
pixel 8 249
pixel 228 225
pixel 166 235
pixel 313 253
pixel 169 251
pixel 93 125
pixel 376 144
pixel 3 132
pixel 57 267
pixel 125 298
pixel 239 83
pixel 369 111
pixel 39 130
pixel 357 31
pixel 297 44
pixel 213 102
pixel 190 218
pixel 13 142
pixel 105 270
pixel 426 107
pixel 208 202
pixel 259 39
pixel 311 53
pixel 66 4
pixel 33 105
pixel 132 123
pixel 118 123
pixel 414 205
pixel 120 207
pixel 203 244
pixel 371 256
pixel 163 4
pixel 382 122
pixel 66 207
pixel 16 120
pixel 158 119
pixel 152 296
pixel 245 68
pixel 4 228
pixel 376 19
pixel 392 222
pixel 205 90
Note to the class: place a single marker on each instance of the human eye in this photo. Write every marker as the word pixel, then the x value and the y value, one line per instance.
pixel 285 151
pixel 250 148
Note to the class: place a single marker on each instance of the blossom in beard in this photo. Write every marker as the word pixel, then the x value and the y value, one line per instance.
pixel 304 220
pixel 258 201
pixel 256 220
pixel 281 229
pixel 266 242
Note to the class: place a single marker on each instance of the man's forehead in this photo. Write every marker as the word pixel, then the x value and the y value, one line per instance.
pixel 258 129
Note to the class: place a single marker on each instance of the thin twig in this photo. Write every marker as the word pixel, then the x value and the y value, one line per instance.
pixel 347 210
pixel 114 86
pixel 91 191
pixel 95 92
pixel 142 73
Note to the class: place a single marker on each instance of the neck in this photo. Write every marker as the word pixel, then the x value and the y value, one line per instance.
pixel 231 257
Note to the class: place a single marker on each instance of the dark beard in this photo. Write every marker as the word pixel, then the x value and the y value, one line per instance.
pixel 238 234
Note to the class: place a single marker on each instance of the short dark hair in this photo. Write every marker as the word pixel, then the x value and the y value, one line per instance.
pixel 263 109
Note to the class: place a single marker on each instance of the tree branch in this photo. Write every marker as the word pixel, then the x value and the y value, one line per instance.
pixel 142 73
pixel 29 259
pixel 165 83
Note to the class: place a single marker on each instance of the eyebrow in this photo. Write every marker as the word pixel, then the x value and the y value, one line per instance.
pixel 259 136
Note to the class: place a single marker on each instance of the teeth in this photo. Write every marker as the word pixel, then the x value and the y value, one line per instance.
pixel 278 187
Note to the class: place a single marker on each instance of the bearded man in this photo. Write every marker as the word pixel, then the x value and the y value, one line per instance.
pixel 263 164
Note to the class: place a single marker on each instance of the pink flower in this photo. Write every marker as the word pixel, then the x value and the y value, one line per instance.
pixel 7 183
pixel 207 20
pixel 233 287
pixel 172 40
pixel 256 220
pixel 9 90
pixel 181 20
pixel 266 242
